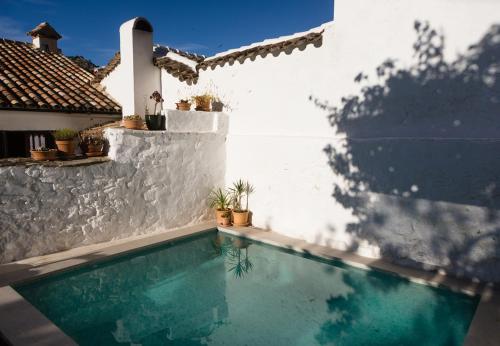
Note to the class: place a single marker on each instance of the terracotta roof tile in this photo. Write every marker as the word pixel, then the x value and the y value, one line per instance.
pixel 275 48
pixel 32 79
pixel 177 69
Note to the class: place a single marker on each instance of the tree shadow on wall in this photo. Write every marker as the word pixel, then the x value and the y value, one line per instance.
pixel 418 162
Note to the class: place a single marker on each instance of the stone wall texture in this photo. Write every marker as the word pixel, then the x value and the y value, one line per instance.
pixel 155 181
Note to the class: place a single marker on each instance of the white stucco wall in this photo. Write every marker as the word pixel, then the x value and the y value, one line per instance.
pixel 427 199
pixel 155 181
pixel 26 121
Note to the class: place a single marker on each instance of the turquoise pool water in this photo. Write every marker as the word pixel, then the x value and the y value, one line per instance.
pixel 221 290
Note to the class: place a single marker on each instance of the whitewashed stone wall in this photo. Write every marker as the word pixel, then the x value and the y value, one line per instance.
pixel 155 181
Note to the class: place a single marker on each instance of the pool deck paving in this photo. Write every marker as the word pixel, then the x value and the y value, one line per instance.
pixel 23 324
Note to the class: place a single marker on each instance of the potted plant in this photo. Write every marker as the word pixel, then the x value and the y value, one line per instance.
pixel 183 105
pixel 65 141
pixel 220 200
pixel 43 154
pixel 225 218
pixel 217 105
pixel 133 122
pixel 92 145
pixel 239 190
pixel 155 121
pixel 203 102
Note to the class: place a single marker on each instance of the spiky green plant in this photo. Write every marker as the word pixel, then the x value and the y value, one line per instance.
pixel 64 134
pixel 249 189
pixel 239 190
pixel 237 193
pixel 219 199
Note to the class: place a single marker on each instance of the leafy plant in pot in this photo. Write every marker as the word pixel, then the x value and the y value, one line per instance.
pixel 43 154
pixel 65 141
pixel 239 190
pixel 220 200
pixel 183 105
pixel 155 121
pixel 133 122
pixel 203 102
pixel 92 145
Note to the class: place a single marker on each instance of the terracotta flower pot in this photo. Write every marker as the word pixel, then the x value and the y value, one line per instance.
pixel 49 155
pixel 133 124
pixel 183 106
pixel 66 147
pixel 240 218
pixel 202 106
pixel 94 150
pixel 221 219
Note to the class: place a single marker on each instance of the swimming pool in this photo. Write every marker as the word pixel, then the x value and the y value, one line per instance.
pixel 218 289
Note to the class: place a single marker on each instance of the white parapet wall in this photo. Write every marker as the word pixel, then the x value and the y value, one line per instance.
pixel 155 181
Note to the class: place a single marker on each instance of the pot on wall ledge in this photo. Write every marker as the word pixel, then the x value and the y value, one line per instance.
pixel 183 106
pixel 94 150
pixel 44 155
pixel 133 122
pixel 240 218
pixel 66 147
pixel 155 122
pixel 223 217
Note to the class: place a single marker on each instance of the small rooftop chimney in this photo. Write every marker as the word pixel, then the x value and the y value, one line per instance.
pixel 45 37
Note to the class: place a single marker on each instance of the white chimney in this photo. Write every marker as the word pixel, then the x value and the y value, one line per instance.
pixel 140 77
pixel 45 37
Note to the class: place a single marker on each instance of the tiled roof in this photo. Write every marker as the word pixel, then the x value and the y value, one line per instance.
pixel 174 67
pixel 106 70
pixel 32 79
pixel 186 73
pixel 273 46
pixel 177 69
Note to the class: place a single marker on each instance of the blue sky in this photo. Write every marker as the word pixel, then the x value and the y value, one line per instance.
pixel 90 28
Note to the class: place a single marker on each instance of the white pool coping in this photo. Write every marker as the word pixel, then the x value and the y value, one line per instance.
pixel 23 324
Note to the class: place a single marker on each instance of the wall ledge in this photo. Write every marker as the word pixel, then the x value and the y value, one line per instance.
pixel 23 161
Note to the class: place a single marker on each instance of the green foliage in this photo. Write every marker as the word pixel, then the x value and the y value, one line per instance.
pixel 202 99
pixel 219 199
pixel 64 134
pixel 132 117
pixel 239 190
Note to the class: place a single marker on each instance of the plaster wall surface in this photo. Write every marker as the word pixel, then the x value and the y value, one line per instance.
pixel 155 181
pixel 26 121
pixel 409 169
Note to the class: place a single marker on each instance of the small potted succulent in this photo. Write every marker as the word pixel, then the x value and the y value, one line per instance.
pixel 239 190
pixel 155 121
pixel 92 145
pixel 43 154
pixel 183 105
pixel 203 102
pixel 65 141
pixel 219 199
pixel 133 122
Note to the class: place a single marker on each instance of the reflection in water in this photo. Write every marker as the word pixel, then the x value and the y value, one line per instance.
pixel 235 250
pixel 192 293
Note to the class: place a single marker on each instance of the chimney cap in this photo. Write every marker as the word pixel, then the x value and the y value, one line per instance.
pixel 44 30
